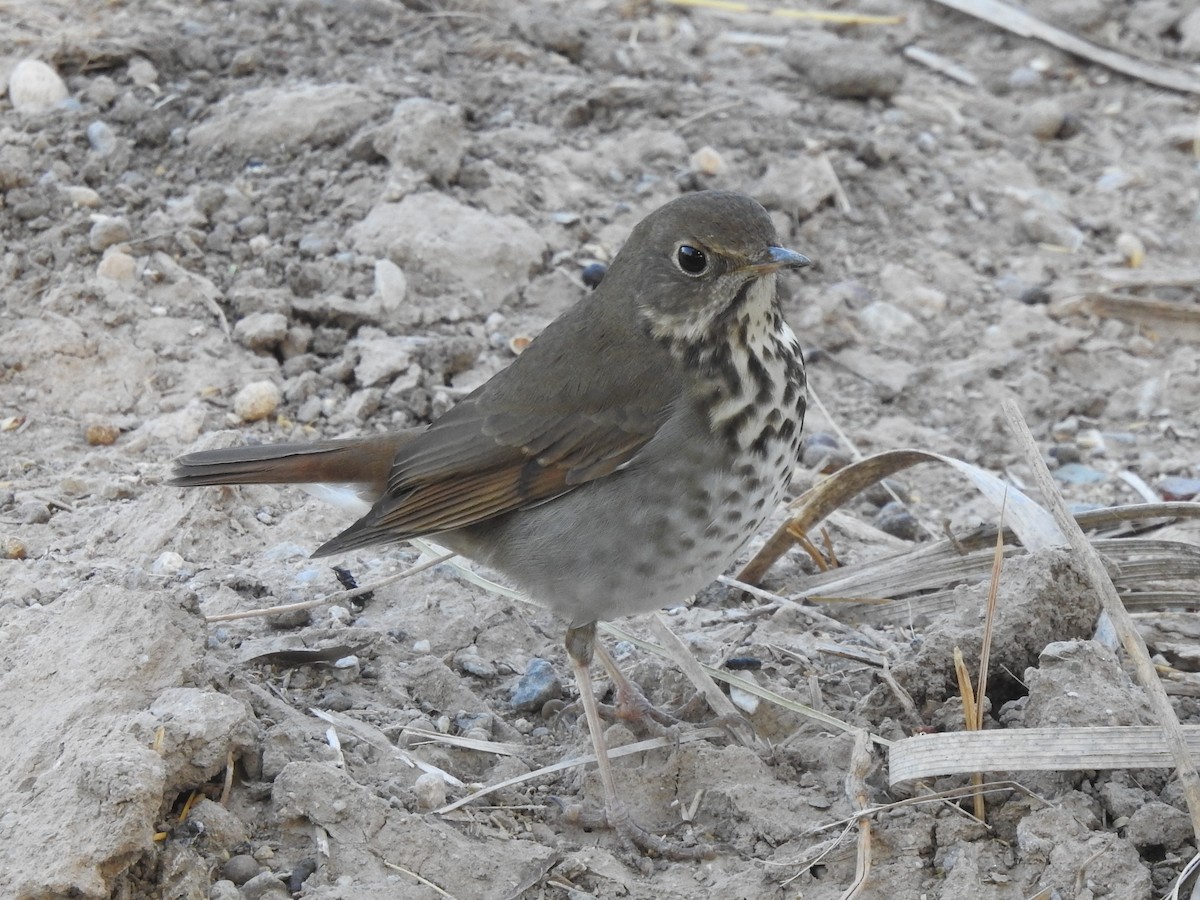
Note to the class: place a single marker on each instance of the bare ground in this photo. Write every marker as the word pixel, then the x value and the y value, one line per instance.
pixel 208 209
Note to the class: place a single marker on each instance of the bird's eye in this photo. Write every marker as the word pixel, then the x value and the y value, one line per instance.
pixel 691 260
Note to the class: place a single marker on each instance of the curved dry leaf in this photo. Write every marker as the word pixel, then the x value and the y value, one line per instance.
pixel 1032 523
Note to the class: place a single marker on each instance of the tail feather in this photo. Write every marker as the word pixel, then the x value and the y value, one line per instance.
pixel 364 462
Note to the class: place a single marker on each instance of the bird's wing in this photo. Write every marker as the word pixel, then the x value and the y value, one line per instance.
pixel 517 443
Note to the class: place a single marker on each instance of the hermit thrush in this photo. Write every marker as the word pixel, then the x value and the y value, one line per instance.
pixel 620 462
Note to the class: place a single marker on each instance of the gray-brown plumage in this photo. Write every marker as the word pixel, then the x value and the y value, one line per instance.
pixel 621 461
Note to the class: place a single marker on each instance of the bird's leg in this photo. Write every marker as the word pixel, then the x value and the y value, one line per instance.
pixel 581 645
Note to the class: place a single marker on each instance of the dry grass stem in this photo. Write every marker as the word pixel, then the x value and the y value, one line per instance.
pixel 418 878
pixel 783 12
pixel 947 796
pixel 658 743
pixel 1022 23
pixel 1132 641
pixel 677 651
pixel 858 794
pixel 972 717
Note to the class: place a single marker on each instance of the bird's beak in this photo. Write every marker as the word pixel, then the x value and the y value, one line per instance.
pixel 779 258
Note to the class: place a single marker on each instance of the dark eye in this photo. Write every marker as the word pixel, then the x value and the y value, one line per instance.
pixel 691 260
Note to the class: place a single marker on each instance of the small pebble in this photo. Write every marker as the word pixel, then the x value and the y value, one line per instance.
pixel 888 322
pixel 896 520
pixel 422 646
pixel 256 401
pixel 300 874
pixel 261 330
pixel 108 230
pixel 822 453
pixel 224 890
pixel 82 196
pixel 241 868
pixel 1066 453
pixel 168 563
pixel 1077 473
pixel 1044 119
pixel 101 434
pixel 33 512
pixel 13 548
pixel 469 661
pixel 430 789
pixel 1017 288
pixel 851 69
pixel 1113 179
pixel 1047 227
pixel 34 87
pixel 390 284
pixel 101 138
pixel 1132 250
pixel 536 687
pixel 707 161
pixel 743 699
pixel 117 265
pixel 16 167
pixel 1065 430
pixel 265 886
pixel 593 274
pixel 142 72
pixel 264 854
pixel 881 493
pixel 1176 487
pixel 1023 78
pixel 347 670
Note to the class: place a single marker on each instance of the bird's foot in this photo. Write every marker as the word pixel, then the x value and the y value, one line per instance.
pixel 634 836
pixel 630 705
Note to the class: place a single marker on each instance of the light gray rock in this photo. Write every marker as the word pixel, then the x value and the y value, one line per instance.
pixel 261 331
pixel 424 141
pixel 200 729
pixel 798 186
pixel 380 356
pixel 446 247
pixel 391 285
pixel 888 322
pixel 837 67
pixel 274 119
pixel 108 230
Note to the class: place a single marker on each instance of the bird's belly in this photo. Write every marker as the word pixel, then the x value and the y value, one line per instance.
pixel 636 540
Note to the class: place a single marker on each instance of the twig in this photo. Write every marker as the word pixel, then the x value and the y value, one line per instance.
pixel 940 64
pixel 332 598
pixel 420 878
pixel 1131 638
pixel 1004 16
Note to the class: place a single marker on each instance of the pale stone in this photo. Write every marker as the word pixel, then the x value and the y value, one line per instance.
pixel 256 401
pixel 34 87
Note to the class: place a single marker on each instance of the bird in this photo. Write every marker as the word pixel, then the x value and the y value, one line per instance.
pixel 619 463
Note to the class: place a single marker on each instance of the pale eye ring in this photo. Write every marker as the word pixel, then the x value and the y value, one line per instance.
pixel 691 260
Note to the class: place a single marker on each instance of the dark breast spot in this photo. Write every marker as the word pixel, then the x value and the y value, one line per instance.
pixel 762 378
